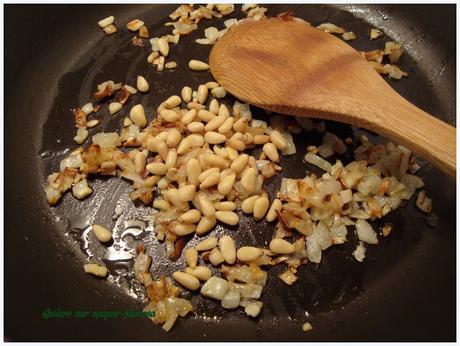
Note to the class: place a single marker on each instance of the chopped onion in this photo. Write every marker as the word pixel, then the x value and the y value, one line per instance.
pixel 365 232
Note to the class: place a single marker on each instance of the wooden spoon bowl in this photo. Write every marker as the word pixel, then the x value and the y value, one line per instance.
pixel 287 66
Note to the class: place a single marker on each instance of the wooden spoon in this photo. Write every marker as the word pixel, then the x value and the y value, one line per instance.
pixel 290 67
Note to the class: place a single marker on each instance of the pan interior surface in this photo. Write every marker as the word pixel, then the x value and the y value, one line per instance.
pixel 405 289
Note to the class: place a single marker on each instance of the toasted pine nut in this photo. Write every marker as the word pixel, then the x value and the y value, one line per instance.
pixel 212 85
pixel 248 204
pixel 193 170
pixel 163 45
pixel 163 183
pixel 102 233
pixel 241 125
pixel 216 161
pixel 205 224
pixel 227 217
pixel 202 273
pixel 278 140
pixel 187 193
pixel 226 184
pixel 142 84
pixel 172 102
pixel 216 122
pixel 189 116
pixel 240 163
pixel 152 56
pixel 173 138
pixel 211 180
pixel 261 139
pixel 226 126
pixel 137 115
pixel 228 249
pixel 197 65
pixel 188 281
pixel 115 107
pixel 236 144
pixel 139 162
pixel 157 168
pixel 202 94
pixel 186 94
pixel 270 150
pixel 182 229
pixel 219 92
pixel 221 152
pixel 260 207
pixel 207 173
pixel 191 216
pixel 216 257
pixel 161 204
pixel 281 246
pixel 95 269
pixel 271 214
pixel 214 106
pixel 206 115
pixel 206 206
pixel 195 127
pixel 212 137
pixel 206 244
pixel 151 181
pixel 195 140
pixel 232 153
pixel 169 115
pixel 225 206
pixel 171 159
pixel 191 257
pixel 248 253
pixel 196 105
pixel 249 179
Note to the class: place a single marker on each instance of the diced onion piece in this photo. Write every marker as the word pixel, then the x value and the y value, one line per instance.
pixel 360 252
pixel 365 232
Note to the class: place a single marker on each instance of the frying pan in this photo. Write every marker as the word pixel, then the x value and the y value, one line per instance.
pixel 54 57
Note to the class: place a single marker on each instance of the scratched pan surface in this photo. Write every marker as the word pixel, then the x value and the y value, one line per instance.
pixel 405 289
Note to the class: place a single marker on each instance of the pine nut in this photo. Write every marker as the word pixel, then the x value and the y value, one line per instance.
pixel 191 257
pixel 206 244
pixel 205 225
pixel 212 85
pixel 248 253
pixel 172 102
pixel 163 45
pixel 206 206
pixel 270 150
pixel 169 115
pixel 211 180
pixel 195 140
pixel 228 249
pixel 272 215
pixel 261 139
pixel 216 161
pixel 249 179
pixel 208 172
pixel 173 139
pixel 237 136
pixel 202 273
pixel 186 94
pixel 137 115
pixel 228 217
pixel 214 137
pixel 188 281
pixel 161 204
pixel 226 126
pixel 182 229
pixel 248 138
pixel 157 168
pixel 232 153
pixel 216 122
pixel 95 269
pixel 236 144
pixel 152 56
pixel 248 204
pixel 197 65
pixel 205 115
pixel 226 184
pixel 219 92
pixel 225 206
pixel 221 152
pixel 278 140
pixel 187 193
pixel 171 159
pixel 195 105
pixel 241 125
pixel 115 107
pixel 102 233
pixel 195 127
pixel 193 170
pixel 260 207
pixel 214 106
pixel 240 163
pixel 163 183
pixel 191 216
pixel 142 84
pixel 139 162
pixel 189 116
pixel 151 181
pixel 216 257
pixel 281 246
pixel 202 94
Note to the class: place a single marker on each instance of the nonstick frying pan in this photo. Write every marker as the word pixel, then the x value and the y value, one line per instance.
pixel 54 57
